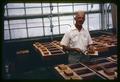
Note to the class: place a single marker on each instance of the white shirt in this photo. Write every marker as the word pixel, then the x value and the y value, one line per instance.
pixel 76 39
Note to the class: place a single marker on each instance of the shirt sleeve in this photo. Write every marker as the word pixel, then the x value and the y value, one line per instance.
pixel 65 40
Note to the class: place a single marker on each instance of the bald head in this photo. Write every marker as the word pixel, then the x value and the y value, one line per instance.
pixel 79 18
pixel 80 13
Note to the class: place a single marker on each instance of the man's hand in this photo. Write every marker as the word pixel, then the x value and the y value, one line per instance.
pixel 90 47
pixel 66 48
pixel 77 50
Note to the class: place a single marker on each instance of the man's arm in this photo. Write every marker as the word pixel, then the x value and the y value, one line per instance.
pixel 66 48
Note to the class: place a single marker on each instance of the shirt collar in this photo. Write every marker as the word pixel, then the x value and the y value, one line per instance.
pixel 77 29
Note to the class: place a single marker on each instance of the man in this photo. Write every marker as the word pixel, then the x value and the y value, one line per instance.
pixel 77 40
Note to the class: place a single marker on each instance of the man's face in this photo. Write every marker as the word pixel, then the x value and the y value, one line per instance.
pixel 80 19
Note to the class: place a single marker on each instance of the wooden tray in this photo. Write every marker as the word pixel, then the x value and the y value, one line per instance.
pixel 61 72
pixel 98 65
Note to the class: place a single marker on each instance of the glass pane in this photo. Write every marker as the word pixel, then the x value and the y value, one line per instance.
pixel 33 4
pixel 55 20
pixel 6 25
pixel 64 28
pixel 80 3
pixel 80 7
pixel 6 35
pixel 48 31
pixel 17 12
pixel 56 30
pixel 54 4
pixel 55 10
pixel 69 22
pixel 18 33
pixel 67 9
pixel 46 10
pixel 5 14
pixel 94 22
pixel 46 22
pixel 35 32
pixel 45 4
pixel 108 5
pixel 17 23
pixel 85 25
pixel 34 22
pixel 110 21
pixel 30 11
pixel 92 7
pixel 64 4
pixel 15 5
pixel 66 20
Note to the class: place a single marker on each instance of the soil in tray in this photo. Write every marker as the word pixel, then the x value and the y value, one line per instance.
pixel 90 63
pixel 97 68
pixel 111 65
pixel 114 57
pixel 55 53
pixel 46 53
pixel 44 50
pixel 62 67
pixel 76 66
pixel 96 62
pixel 92 77
pixel 53 49
pixel 84 71
pixel 49 47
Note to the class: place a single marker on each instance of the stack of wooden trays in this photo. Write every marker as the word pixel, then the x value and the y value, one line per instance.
pixel 100 47
pixel 107 40
pixel 105 44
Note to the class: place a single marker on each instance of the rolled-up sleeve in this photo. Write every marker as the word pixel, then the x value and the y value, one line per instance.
pixel 65 40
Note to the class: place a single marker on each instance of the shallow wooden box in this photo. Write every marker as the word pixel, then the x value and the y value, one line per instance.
pixel 50 54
